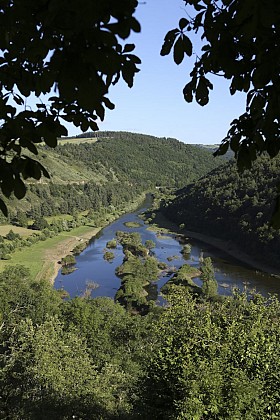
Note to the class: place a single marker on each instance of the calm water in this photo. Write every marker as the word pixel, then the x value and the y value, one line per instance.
pixel 91 267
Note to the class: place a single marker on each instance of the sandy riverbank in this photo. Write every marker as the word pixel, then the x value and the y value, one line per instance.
pixel 52 256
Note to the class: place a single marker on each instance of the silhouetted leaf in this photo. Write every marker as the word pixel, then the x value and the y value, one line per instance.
pixel 243 158
pixel 18 99
pixel 201 93
pixel 223 148
pixel 135 25
pixel 183 23
pixel 187 45
pixel 178 53
pixel 19 188
pixel 108 103
pixel 3 208
pixel 169 41
pixel 188 92
pixel 128 48
pixel 234 142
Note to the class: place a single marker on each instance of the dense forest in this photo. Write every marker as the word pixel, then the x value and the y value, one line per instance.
pixel 93 180
pixel 112 170
pixel 143 159
pixel 200 357
pixel 234 206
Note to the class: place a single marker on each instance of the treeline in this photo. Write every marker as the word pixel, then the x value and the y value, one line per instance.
pixel 43 200
pixel 234 206
pixel 68 199
pixel 91 359
pixel 109 171
pixel 143 159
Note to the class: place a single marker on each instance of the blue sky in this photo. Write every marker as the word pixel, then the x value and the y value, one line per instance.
pixel 155 104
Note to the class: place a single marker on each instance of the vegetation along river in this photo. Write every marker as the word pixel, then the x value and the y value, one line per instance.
pixel 92 268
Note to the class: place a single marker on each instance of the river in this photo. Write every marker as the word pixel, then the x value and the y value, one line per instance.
pixel 91 266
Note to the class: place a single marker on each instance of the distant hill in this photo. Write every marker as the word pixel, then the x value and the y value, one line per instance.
pixel 213 147
pixel 156 161
pixel 236 207
pixel 113 166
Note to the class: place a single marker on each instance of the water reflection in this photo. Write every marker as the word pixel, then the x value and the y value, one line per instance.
pixel 93 269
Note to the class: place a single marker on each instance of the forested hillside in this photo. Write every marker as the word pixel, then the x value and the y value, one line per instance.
pixel 111 170
pixel 144 159
pixel 91 359
pixel 233 206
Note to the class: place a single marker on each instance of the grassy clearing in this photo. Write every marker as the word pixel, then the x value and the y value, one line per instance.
pixel 64 216
pixel 24 232
pixel 78 140
pixel 51 219
pixel 42 257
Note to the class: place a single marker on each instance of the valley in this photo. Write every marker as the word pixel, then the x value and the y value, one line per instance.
pixel 114 306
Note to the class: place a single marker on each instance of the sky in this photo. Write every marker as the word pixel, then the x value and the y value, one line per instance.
pixel 155 104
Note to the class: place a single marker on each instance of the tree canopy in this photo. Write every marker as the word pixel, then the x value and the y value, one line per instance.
pixel 240 42
pixel 70 51
pixel 68 54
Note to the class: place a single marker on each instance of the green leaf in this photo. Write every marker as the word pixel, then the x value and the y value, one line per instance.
pixel 85 126
pixel 257 105
pixel 31 170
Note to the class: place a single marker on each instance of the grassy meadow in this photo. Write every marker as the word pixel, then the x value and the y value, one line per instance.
pixel 41 258
pixel 24 232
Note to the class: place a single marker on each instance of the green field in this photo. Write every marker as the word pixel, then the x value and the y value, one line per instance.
pixel 41 257
pixel 24 232
pixel 78 140
pixel 35 258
